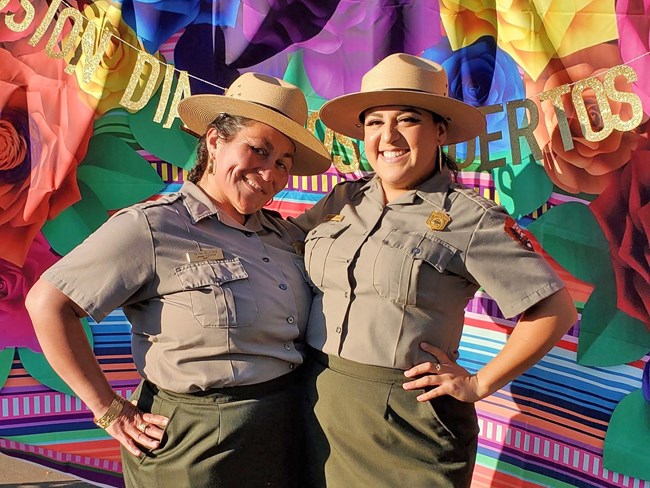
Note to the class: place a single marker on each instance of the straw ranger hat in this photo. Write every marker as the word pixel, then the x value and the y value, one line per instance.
pixel 265 99
pixel 402 79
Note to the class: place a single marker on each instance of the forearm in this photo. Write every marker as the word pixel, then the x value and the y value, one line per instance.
pixel 66 347
pixel 539 329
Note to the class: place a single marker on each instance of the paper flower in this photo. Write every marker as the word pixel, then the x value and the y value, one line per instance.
pixel 42 145
pixel 589 166
pixel 155 21
pixel 109 81
pixel 482 75
pixel 623 212
pixel 634 41
pixel 530 35
pixel 16 328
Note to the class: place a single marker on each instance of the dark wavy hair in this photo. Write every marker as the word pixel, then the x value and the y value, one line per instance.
pixel 228 127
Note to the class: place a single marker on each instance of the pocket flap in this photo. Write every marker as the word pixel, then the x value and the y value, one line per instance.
pixel 207 273
pixel 329 229
pixel 434 251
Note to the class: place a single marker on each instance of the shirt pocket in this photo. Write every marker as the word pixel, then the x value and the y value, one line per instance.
pixel 220 293
pixel 409 264
pixel 318 245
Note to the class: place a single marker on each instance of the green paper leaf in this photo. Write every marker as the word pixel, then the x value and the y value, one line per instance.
pixel 572 236
pixel 609 337
pixel 171 145
pixel 6 360
pixel 628 437
pixel 75 223
pixel 522 188
pixel 117 174
pixel 38 367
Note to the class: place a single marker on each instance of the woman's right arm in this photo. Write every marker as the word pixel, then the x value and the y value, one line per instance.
pixel 57 324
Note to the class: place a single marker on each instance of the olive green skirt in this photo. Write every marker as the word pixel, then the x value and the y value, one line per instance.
pixel 243 436
pixel 364 430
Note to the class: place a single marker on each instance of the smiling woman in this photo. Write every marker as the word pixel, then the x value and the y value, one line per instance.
pixel 395 258
pixel 217 298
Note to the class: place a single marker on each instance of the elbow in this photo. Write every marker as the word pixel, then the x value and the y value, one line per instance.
pixel 36 302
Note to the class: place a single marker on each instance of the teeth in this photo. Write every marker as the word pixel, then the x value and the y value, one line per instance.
pixel 394 154
pixel 258 188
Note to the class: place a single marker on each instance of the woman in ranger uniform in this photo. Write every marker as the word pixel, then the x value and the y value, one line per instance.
pixel 217 298
pixel 395 258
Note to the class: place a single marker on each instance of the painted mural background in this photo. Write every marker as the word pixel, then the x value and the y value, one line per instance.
pixel 88 125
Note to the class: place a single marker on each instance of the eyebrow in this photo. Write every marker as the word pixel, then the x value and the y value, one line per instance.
pixel 402 109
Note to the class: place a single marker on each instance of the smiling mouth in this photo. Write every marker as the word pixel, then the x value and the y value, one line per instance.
pixel 253 185
pixel 392 155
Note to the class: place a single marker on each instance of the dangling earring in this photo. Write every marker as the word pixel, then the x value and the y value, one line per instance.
pixel 440 158
pixel 210 167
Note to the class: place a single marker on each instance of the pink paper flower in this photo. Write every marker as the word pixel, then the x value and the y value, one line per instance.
pixel 16 328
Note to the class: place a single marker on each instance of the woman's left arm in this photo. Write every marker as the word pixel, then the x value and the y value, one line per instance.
pixel 538 330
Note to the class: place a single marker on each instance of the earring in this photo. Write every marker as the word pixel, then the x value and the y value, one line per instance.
pixel 440 158
pixel 210 166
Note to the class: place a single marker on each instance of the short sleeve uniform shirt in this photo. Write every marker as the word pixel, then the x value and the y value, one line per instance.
pixel 386 280
pixel 212 303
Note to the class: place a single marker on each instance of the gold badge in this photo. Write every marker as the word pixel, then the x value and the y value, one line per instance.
pixel 438 220
pixel 333 218
pixel 205 255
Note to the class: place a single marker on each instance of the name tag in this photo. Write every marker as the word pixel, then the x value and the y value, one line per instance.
pixel 205 255
pixel 333 218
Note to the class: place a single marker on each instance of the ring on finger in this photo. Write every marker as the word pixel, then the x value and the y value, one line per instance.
pixel 142 427
pixel 437 367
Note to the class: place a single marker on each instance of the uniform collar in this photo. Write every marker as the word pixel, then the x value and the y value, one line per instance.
pixel 432 190
pixel 199 206
pixel 197 203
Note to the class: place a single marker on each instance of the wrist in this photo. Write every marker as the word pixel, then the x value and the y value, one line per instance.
pixel 110 415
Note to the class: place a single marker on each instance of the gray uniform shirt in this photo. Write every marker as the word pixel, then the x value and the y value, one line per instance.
pixel 230 317
pixel 387 281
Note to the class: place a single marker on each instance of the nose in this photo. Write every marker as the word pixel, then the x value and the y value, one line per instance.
pixel 389 132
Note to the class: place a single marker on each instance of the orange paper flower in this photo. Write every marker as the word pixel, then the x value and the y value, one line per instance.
pixel 44 133
pixel 588 167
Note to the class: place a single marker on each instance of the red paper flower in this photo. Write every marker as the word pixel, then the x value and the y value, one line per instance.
pixel 623 211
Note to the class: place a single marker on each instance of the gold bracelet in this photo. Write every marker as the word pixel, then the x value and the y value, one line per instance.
pixel 114 410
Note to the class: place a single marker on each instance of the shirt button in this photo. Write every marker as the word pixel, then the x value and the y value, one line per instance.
pixel 292 366
pixel 416 250
pixel 266 260
pixel 283 286
pixel 248 234
pixel 346 294
pixel 291 320
pixel 348 260
pixel 338 330
pixel 287 347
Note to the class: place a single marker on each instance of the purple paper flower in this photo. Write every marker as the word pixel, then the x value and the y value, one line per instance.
pixel 360 34
pixel 634 41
